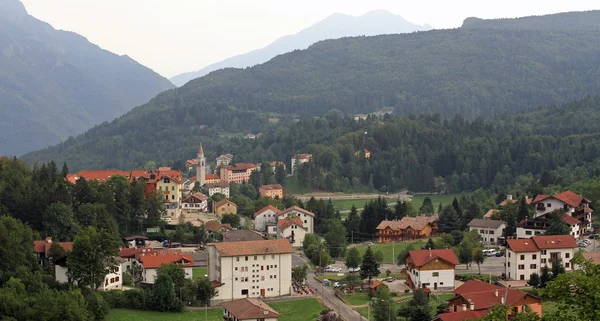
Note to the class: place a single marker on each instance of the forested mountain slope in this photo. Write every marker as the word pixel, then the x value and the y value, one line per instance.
pixel 54 84
pixel 573 21
pixel 468 72
pixel 335 26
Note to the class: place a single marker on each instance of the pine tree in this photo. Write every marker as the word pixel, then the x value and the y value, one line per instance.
pixel 369 267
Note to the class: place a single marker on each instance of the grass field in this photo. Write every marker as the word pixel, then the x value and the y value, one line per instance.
pixel 346 205
pixel 199 272
pixel 357 299
pixel 388 248
pixel 298 310
pixel 445 199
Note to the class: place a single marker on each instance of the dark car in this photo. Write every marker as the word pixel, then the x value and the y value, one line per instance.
pixel 593 236
pixel 499 253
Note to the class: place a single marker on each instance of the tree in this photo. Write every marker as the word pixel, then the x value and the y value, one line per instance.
pixel 16 250
pixel 449 220
pixel 403 252
pixel 232 219
pixel 353 258
pixel 470 245
pixel 379 256
pixel 427 207
pixel 204 291
pixel 417 308
pixel 176 273
pixel 60 222
pixel 163 295
pixel 478 258
pixel 352 280
pixel 299 273
pixel 369 267
pixel 329 315
pixel 556 224
pixel 534 280
pixel 335 238
pixel 545 277
pixel 353 222
pixel 93 257
pixel 557 268
pixel 280 174
pixel 179 235
pixel 500 312
pixel 383 306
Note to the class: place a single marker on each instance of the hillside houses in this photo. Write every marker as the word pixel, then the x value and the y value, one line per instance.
pixel 429 268
pixel 408 228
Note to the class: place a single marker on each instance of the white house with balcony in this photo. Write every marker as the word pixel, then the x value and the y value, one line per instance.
pixel 570 203
pixel 527 256
pixel 433 269
pixel 307 217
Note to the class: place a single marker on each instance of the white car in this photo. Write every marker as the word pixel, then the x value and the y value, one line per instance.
pixel 333 269
pixel 354 269
pixel 167 219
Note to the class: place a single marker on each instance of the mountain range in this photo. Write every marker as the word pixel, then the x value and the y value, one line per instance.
pixel 54 84
pixel 335 26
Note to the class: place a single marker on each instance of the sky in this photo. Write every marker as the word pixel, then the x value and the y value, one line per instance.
pixel 176 36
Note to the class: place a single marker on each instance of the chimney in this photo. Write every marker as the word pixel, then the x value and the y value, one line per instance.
pixel 49 239
pixel 558 241
pixel 471 305
pixel 503 301
pixel 429 252
pixel 464 307
pixel 496 292
pixel 509 197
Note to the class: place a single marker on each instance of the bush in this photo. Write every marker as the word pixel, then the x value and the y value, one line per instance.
pixel 97 307
pixel 130 299
pixel 406 290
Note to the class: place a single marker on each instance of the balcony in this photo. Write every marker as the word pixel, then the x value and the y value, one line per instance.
pixel 540 207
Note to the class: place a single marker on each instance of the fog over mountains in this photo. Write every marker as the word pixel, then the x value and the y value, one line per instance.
pixel 335 26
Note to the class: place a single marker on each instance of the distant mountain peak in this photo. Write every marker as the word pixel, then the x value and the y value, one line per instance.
pixel 379 13
pixel 13 8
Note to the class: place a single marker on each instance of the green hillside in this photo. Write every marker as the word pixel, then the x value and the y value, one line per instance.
pixel 574 21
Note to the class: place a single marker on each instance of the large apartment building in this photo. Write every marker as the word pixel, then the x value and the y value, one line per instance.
pixel 250 269
pixel 239 173
pixel 527 256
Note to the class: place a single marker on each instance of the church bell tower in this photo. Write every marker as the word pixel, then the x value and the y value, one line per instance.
pixel 201 167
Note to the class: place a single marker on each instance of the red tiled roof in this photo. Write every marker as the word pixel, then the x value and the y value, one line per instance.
pixel 152 176
pixel 127 252
pixel 223 202
pixel 297 209
pixel 594 257
pixel 220 184
pixel 483 295
pixel 240 166
pixel 376 284
pixel 461 315
pixel 154 262
pixel 270 187
pixel 215 226
pixel 276 163
pixel 287 222
pixel 567 197
pixel 43 246
pixel 199 196
pixel 143 251
pixel 422 257
pixel 253 247
pixel 546 242
pixel 212 176
pixel 416 223
pixel 489 213
pixel 101 175
pixel 249 309
pixel 268 207
pixel 570 219
pixel 540 198
pixel 522 245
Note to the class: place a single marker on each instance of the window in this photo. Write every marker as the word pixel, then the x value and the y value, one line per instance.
pixel 112 280
pixel 237 258
pixel 543 261
pixel 532 266
pixel 172 197
pixel 522 257
pixel 544 252
pixel 435 274
pixel 491 232
pixel 262 278
pixel 255 258
pixel 275 276
pixel 264 258
pixel 245 292
pixel 508 264
pixel 567 265
pixel 521 267
pixel 172 188
pixel 527 232
pixel 549 205
pixel 246 258
pixel 534 256
pixel 167 197
pixel 567 255
pixel 482 231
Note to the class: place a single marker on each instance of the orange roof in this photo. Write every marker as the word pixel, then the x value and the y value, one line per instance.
pixel 276 163
pixel 567 197
pixel 461 315
pixel 542 242
pixel 422 257
pixel 522 245
pixel 302 156
pixel 199 196
pixel 43 246
pixel 249 309
pixel 212 176
pixel 253 247
pixel 287 222
pixel 223 202
pixel 154 262
pixel 152 176
pixel 215 226
pixel 483 295
pixel 220 184
pixel 375 284
pixel 489 213
pixel 268 207
pixel 416 223
pixel 101 175
pixel 570 219
pixel 240 167
pixel 297 209
pixel 594 257
pixel 270 187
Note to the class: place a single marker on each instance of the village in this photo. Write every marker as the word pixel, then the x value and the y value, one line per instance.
pixel 260 259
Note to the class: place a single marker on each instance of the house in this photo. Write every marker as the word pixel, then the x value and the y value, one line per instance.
pixel 242 235
pixel 571 203
pixel 475 298
pixel 430 269
pixel 250 136
pixel 96 175
pixel 190 164
pixel 267 216
pixel 365 152
pixel 537 226
pixel 375 286
pixel 224 160
pixel 360 116
pixel 42 248
pixel 167 183
pixel 195 203
pixel 300 159
pixel 526 256
pixel 188 185
pixel 291 229
pixel 212 178
pixel 225 206
pixel 509 199
pixel 250 269
pixel 408 228
pixel 491 231
pixel 488 215
pixel 239 173
pixel 112 281
pixel 272 191
pixel 217 188
pixel 134 241
pixel 248 310
pixel 153 261
pixel 213 227
pixel 307 217
pixel 274 165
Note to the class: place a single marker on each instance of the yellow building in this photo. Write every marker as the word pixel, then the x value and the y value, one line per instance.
pixel 225 207
pixel 212 178
pixel 366 151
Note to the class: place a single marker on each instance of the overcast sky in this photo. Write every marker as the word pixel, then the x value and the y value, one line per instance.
pixel 176 36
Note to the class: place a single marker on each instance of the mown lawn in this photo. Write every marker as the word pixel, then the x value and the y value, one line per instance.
pixel 388 248
pixel 298 310
pixel 357 299
pixel 199 272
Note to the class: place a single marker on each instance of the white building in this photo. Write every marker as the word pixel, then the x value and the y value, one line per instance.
pixel 527 256
pixel 267 216
pixel 248 310
pixel 152 262
pixel 537 226
pixel 491 231
pixel 291 229
pixel 300 159
pixel 250 269
pixel 195 203
pixel 218 188
pixel 571 203
pixel 112 281
pixel 224 160
pixel 307 217
pixel 433 269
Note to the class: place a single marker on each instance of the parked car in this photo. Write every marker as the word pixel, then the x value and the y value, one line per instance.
pixel 390 279
pixel 369 243
pixel 333 269
pixel 167 219
pixel 354 269
pixel 499 253
pixel 593 236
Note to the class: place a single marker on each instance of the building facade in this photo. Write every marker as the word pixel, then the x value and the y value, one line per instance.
pixel 537 226
pixel 408 228
pixel 248 310
pixel 291 229
pixel 238 173
pixel 224 160
pixel 307 217
pixel 250 269
pixel 491 231
pixel 195 203
pixel 218 188
pixel 300 159
pixel 433 269
pixel 272 191
pixel 225 206
pixel 571 204
pixel 267 216
pixel 527 256
pixel 153 261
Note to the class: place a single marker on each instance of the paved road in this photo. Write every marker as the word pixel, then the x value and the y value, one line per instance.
pixel 327 295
